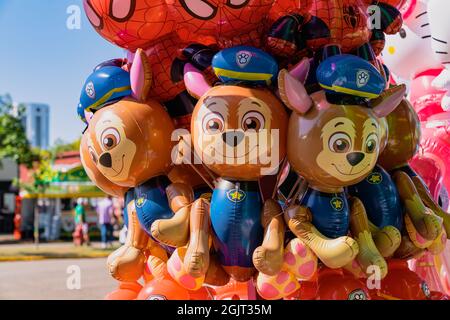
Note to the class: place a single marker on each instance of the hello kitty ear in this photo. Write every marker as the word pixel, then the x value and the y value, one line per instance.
pixel 293 93
pixel 140 76
pixel 388 100
pixel 195 81
pixel 301 70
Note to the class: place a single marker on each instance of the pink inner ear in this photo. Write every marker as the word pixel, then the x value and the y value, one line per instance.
pixel 301 70
pixel 296 94
pixel 195 81
pixel 137 77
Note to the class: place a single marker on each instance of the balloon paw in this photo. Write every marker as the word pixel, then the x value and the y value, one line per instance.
pixel 300 260
pixel 276 287
pixel 176 269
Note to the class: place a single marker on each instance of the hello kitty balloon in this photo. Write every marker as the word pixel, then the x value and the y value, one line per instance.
pixel 409 52
pixel 438 14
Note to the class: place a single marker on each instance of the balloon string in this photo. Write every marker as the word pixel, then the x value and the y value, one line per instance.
pixel 289 197
pixel 280 173
pixel 208 182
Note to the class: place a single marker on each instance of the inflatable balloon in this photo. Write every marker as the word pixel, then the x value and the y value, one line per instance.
pixel 151 25
pixel 95 175
pixel 318 23
pixel 426 99
pixel 337 285
pixel 163 289
pixel 126 291
pixel 226 23
pixel 424 216
pixel 408 53
pixel 401 284
pixel 342 140
pixel 120 138
pixel 226 122
pixel 130 24
pixel 438 11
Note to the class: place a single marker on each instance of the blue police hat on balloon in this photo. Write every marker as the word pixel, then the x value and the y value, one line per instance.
pixel 351 75
pixel 245 64
pixel 104 86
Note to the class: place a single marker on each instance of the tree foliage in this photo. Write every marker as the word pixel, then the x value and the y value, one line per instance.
pixel 13 140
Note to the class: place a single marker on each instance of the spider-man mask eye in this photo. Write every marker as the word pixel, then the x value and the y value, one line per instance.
pixel 122 10
pixel 92 15
pixel 237 4
pixel 201 9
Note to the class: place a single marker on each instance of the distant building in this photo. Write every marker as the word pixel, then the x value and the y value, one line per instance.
pixel 36 122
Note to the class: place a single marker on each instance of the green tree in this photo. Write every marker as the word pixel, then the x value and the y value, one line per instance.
pixel 13 140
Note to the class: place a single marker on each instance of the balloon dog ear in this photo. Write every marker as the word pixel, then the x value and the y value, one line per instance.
pixel 291 89
pixel 388 100
pixel 195 81
pixel 140 76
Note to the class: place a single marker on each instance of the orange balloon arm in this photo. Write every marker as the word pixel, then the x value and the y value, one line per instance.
pixel 127 263
pixel 268 258
pixel 175 231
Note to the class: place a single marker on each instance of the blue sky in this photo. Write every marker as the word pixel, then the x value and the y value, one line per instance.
pixel 43 61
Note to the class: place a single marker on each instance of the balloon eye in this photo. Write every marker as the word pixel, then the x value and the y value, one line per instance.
pixel 122 10
pixel 199 9
pixel 213 123
pixel 340 143
pixel 371 144
pixel 93 16
pixel 237 4
pixel 110 138
pixel 253 121
pixel 402 33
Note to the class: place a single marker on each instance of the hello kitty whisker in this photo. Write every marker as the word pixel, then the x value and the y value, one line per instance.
pixel 421 14
pixel 439 40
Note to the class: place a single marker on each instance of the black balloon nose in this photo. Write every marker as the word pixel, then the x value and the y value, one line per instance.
pixel 106 160
pixel 355 157
pixel 232 138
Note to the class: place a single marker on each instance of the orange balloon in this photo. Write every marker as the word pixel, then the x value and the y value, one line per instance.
pixel 233 291
pixel 163 289
pixel 203 293
pixel 130 24
pixel 334 284
pixel 130 142
pixel 126 291
pixel 401 284
pixel 228 22
pixel 95 175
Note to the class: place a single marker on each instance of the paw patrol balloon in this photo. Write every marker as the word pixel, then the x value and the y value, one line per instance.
pixel 245 64
pixel 105 86
pixel 350 75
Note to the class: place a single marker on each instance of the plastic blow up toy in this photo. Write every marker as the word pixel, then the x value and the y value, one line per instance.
pixel 438 11
pixel 150 25
pixel 424 217
pixel 318 23
pixel 226 23
pixel 335 160
pixel 120 137
pixel 409 52
pixel 225 123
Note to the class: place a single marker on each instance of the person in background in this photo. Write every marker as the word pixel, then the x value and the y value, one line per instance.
pixel 105 210
pixel 81 234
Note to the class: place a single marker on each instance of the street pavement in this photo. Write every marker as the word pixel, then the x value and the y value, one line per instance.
pixel 64 279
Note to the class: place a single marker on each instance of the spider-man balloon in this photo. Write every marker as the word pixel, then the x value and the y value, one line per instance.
pixel 226 22
pixel 130 24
